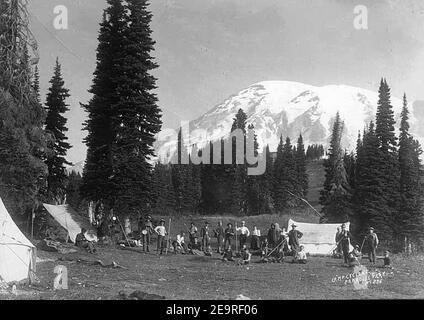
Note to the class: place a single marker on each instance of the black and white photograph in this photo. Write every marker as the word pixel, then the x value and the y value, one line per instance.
pixel 220 151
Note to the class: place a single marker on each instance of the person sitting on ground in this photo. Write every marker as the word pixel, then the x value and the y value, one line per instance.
pixel 228 255
pixel 194 245
pixel 208 251
pixel 50 234
pixel 82 242
pixel 179 244
pixel 300 256
pixel 245 256
pixel 386 259
pixel 355 257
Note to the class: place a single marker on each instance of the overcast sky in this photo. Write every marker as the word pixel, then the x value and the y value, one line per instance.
pixel 210 49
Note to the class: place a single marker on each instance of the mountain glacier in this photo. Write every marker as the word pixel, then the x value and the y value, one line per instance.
pixel 287 108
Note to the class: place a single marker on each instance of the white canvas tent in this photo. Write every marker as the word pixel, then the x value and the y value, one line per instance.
pixel 17 253
pixel 69 219
pixel 318 238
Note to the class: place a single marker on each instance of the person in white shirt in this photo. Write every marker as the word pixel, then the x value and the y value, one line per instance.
pixel 300 256
pixel 254 243
pixel 244 233
pixel 179 244
pixel 161 232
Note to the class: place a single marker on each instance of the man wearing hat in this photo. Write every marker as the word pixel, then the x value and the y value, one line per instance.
pixel 219 235
pixel 161 232
pixel 244 233
pixel 294 236
pixel 372 240
pixel 204 234
pixel 229 234
pixel 192 233
pixel 146 232
pixel 345 238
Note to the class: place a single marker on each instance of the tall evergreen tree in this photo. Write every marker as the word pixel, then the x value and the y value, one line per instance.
pixel 238 171
pixel 101 125
pixel 410 218
pixel 335 197
pixel 285 176
pixel 302 176
pixel 136 113
pixel 22 137
pixel 388 166
pixel 56 127
pixel 368 189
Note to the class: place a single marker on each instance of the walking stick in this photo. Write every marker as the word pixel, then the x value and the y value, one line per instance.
pixel 363 243
pixel 235 231
pixel 169 236
pixel 279 245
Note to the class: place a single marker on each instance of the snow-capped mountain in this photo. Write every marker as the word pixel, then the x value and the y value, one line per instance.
pixel 286 108
pixel 78 168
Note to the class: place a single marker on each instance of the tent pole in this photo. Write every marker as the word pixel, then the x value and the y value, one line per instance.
pixel 32 223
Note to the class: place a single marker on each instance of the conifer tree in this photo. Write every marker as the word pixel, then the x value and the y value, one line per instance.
pixel 388 166
pixel 368 190
pixel 22 137
pixel 137 116
pixel 302 176
pixel 58 145
pixel 335 197
pixel 99 171
pixel 410 218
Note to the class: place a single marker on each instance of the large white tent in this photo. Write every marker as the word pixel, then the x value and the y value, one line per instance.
pixel 17 253
pixel 69 219
pixel 318 238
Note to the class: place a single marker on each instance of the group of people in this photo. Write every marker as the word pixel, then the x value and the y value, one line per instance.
pixel 273 247
pixel 353 257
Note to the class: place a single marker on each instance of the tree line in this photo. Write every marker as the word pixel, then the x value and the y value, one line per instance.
pixel 227 188
pixel 381 184
pixel 33 142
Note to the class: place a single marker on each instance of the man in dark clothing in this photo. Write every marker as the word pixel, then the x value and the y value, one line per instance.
pixel 219 235
pixel 345 239
pixel 273 236
pixel 372 240
pixel 146 232
pixel 229 234
pixel 192 233
pixel 82 242
pixel 294 236
pixel 337 239
pixel 204 234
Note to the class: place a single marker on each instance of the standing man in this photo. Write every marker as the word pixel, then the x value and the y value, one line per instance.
pixel 345 238
pixel 192 233
pixel 256 235
pixel 219 235
pixel 294 236
pixel 204 234
pixel 161 232
pixel 229 234
pixel 373 244
pixel 272 236
pixel 146 232
pixel 244 233
pixel 337 239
